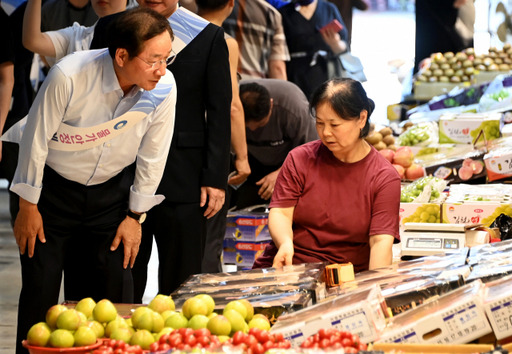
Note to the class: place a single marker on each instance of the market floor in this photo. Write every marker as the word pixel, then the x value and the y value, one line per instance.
pixel 385 43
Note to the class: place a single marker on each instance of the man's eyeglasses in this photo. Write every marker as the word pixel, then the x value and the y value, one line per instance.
pixel 157 64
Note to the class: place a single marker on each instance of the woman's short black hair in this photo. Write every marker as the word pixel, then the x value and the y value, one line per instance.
pixel 133 27
pixel 255 101
pixel 346 97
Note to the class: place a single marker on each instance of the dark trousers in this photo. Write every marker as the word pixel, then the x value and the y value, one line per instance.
pixel 80 224
pixel 179 230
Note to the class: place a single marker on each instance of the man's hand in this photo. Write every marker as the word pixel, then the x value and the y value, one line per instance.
pixel 284 255
pixel 130 232
pixel 243 170
pixel 28 226
pixel 267 184
pixel 215 197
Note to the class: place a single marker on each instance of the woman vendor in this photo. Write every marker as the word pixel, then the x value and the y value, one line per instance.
pixel 336 199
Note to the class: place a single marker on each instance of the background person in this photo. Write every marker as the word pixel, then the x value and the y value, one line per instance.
pixel 277 119
pixel 216 12
pixel 82 207
pixel 336 199
pixel 257 27
pixel 196 172
pixel 312 50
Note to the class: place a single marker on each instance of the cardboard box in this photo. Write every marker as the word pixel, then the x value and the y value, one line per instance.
pixel 464 128
pixel 498 306
pixel 247 226
pixel 242 253
pixel 474 212
pixel 498 163
pixel 454 318
pixel 419 212
pixel 359 312
pixel 428 90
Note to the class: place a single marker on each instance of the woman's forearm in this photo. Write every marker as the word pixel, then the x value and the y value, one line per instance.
pixel 381 251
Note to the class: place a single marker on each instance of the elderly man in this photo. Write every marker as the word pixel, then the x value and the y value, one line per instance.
pixel 80 206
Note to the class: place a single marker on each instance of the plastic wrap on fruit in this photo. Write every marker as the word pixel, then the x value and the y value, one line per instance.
pixel 421 134
pixel 497 96
pixel 424 190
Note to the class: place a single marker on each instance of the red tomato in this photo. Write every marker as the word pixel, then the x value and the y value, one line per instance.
pixel 202 332
pixel 250 340
pixel 347 342
pixel 190 340
pixel 278 337
pixel 363 346
pixel 350 350
pixel 355 340
pixel 164 338
pixel 154 346
pixel 324 343
pixel 203 340
pixel 175 340
pixel 101 351
pixel 262 336
pixel 185 331
pixel 269 345
pixel 254 330
pixel 238 338
pixel 164 346
pixel 257 348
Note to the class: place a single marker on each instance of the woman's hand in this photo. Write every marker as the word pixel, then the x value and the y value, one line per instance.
pixel 333 40
pixel 284 255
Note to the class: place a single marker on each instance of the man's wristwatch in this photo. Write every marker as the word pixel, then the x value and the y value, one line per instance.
pixel 139 217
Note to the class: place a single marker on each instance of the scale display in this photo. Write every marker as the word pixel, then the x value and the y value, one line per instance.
pixel 433 243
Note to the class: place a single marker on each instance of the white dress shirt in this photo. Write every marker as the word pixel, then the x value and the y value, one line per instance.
pixel 82 90
pixel 70 39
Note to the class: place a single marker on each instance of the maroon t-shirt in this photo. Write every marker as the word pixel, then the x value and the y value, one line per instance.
pixel 338 205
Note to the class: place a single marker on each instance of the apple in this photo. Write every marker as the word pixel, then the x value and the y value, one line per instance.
pixel 208 300
pixel 158 322
pixel 403 156
pixel 39 334
pixel 61 338
pixel 85 306
pixel 142 337
pixel 70 320
pixel 97 327
pixel 119 322
pixel 178 320
pixel 194 306
pixel 249 308
pixel 388 154
pixel 236 320
pixel 104 311
pixel 238 306
pixel 165 330
pixel 52 314
pixel 220 325
pixel 400 169
pixel 124 334
pixel 161 303
pixel 213 314
pixel 260 322
pixel 414 172
pixel 84 336
pixel 198 321
pixel 167 313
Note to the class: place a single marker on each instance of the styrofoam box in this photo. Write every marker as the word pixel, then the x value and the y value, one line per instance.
pixel 498 306
pixel 359 312
pixel 457 317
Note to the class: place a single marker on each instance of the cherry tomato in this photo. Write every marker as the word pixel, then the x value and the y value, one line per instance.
pixel 347 342
pixel 257 348
pixel 164 337
pixel 238 337
pixel 190 340
pixel 185 331
pixel 350 350
pixel 262 336
pixel 202 332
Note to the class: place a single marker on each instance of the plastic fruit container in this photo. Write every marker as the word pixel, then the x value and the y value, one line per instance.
pixel 74 350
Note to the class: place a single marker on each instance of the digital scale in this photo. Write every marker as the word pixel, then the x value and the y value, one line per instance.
pixel 425 239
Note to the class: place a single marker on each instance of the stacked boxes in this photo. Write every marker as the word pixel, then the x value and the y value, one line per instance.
pixel 246 236
pixel 457 317
pixel 359 312
pixel 465 128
